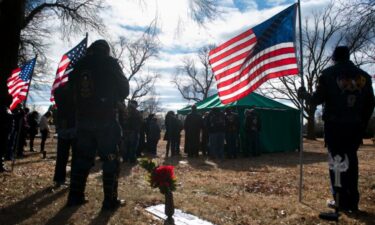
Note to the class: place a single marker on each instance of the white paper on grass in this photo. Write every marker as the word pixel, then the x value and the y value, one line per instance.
pixel 180 218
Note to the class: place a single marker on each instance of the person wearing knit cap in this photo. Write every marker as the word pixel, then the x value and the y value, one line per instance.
pixel 347 96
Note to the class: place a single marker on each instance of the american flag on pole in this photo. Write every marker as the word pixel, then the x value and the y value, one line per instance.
pixel 67 64
pixel 18 83
pixel 266 51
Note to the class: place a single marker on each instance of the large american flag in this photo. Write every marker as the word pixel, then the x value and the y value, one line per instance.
pixel 19 82
pixel 266 51
pixel 67 64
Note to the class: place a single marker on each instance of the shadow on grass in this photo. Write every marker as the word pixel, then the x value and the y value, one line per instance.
pixel 363 217
pixel 62 216
pixel 367 218
pixel 102 218
pixel 24 209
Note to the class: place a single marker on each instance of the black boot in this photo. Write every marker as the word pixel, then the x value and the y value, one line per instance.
pixel 110 185
pixel 76 195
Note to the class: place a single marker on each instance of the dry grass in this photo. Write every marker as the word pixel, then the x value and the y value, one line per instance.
pixel 261 190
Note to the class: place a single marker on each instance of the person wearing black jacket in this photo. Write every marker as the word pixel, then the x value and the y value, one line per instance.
pixel 347 96
pixel 66 132
pixel 5 128
pixel 216 133
pixel 252 129
pixel 32 120
pixel 131 122
pixel 193 126
pixel 232 131
pixel 99 85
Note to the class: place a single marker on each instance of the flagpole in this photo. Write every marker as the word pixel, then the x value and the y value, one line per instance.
pixel 21 122
pixel 301 105
pixel 31 77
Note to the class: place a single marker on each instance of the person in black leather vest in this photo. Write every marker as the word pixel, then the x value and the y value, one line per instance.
pixel 347 94
pixel 99 85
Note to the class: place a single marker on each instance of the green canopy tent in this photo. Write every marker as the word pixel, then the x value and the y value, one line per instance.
pixel 280 123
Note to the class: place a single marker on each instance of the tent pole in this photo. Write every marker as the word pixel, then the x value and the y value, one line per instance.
pixel 301 105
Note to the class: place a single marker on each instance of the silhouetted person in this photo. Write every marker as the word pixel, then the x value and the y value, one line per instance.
pixel 232 130
pixel 348 101
pixel 142 138
pixel 23 132
pixel 153 135
pixel 168 123
pixel 66 131
pixel 193 125
pixel 204 141
pixel 252 129
pixel 44 131
pixel 98 86
pixel 131 123
pixel 5 128
pixel 175 134
pixel 32 120
pixel 216 133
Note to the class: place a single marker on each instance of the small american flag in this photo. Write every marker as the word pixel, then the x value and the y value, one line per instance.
pixel 67 64
pixel 19 82
pixel 266 51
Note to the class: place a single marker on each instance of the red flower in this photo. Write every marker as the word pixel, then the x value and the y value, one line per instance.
pixel 163 176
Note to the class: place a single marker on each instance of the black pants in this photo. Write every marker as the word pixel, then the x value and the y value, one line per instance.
pixel 349 195
pixel 345 139
pixel 21 142
pixel 63 147
pixel 3 146
pixel 31 142
pixel 44 134
pixel 152 146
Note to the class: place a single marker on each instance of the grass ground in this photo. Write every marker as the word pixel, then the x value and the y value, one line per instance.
pixel 262 190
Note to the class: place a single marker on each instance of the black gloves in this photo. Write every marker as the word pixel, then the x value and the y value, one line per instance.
pixel 302 93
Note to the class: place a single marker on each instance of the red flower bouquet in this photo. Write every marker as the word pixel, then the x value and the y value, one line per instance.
pixel 161 177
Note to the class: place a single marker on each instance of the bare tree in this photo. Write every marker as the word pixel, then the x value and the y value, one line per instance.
pixel 360 29
pixel 200 11
pixel 30 20
pixel 195 83
pixel 133 56
pixel 151 105
pixel 203 10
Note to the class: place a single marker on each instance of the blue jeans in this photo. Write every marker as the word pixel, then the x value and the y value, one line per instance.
pixel 216 144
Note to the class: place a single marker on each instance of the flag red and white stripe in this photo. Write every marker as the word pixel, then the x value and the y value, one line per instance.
pixel 67 64
pixel 18 83
pixel 240 66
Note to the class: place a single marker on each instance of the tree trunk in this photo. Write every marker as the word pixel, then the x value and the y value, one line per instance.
pixel 11 19
pixel 311 124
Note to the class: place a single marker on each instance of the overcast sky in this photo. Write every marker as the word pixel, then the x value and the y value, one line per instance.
pixel 179 35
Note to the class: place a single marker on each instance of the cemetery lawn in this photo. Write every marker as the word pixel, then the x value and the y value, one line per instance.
pixel 243 191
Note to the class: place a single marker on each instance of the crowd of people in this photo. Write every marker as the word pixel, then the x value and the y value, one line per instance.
pixel 215 133
pixel 92 119
pixel 16 128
